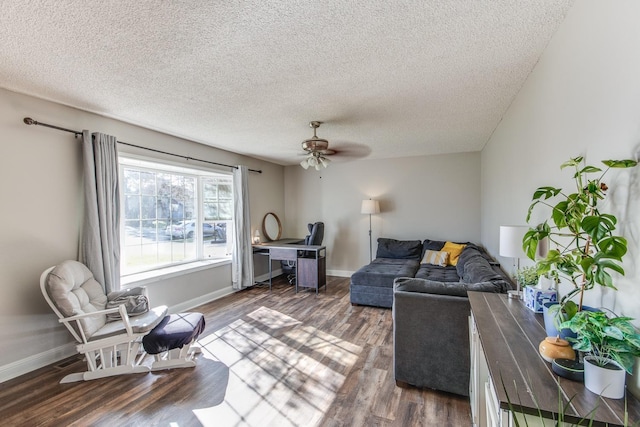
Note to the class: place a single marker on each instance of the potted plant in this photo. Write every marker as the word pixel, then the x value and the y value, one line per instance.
pixel 586 249
pixel 527 276
pixel 611 343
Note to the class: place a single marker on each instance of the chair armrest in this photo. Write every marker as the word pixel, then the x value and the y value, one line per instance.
pixel 93 313
pixel 122 309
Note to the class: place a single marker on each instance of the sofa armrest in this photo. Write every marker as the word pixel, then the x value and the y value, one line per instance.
pixel 431 340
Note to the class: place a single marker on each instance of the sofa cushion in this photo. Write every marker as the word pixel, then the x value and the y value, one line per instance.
pixel 405 284
pixel 382 271
pixel 469 252
pixel 435 258
pixel 399 249
pixel 454 250
pixel 476 268
pixel 435 272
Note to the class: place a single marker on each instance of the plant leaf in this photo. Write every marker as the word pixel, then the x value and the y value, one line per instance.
pixel 546 193
pixel 627 163
pixel 598 227
pixel 571 309
pixel 613 246
pixel 559 214
pixel 572 162
pixel 532 238
pixel 589 169
pixel 613 332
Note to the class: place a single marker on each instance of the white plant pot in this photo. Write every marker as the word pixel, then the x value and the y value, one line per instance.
pixel 606 382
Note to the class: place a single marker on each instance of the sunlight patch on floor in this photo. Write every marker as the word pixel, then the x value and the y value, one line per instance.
pixel 274 382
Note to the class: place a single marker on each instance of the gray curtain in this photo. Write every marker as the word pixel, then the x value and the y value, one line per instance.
pixel 242 258
pixel 100 238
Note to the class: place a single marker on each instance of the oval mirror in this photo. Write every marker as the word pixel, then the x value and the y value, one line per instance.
pixel 271 226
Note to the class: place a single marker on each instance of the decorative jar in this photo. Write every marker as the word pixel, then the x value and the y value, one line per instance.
pixel 556 348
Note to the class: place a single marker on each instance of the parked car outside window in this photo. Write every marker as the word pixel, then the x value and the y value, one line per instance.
pixel 186 229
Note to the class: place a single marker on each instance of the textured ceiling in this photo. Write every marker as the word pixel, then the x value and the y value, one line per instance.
pixel 388 78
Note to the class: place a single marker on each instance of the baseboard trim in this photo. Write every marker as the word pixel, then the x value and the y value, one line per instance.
pixel 36 361
pixel 340 273
pixel 203 299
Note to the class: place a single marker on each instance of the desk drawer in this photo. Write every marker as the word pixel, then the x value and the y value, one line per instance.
pixel 284 254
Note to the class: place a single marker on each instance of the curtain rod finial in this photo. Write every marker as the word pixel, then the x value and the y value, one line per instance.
pixel 29 121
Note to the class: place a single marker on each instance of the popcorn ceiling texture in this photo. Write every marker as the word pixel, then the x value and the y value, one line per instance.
pixel 389 79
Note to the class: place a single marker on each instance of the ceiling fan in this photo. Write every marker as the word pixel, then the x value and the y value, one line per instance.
pixel 317 150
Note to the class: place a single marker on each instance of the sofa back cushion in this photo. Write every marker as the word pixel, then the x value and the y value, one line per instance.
pixel 473 266
pixel 399 249
pixel 432 245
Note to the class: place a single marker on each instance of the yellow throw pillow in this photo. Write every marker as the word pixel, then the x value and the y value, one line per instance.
pixel 454 250
pixel 435 257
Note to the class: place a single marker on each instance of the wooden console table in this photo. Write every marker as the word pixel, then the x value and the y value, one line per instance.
pixel 504 338
pixel 311 261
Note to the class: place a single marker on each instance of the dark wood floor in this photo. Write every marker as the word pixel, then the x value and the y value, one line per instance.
pixel 276 358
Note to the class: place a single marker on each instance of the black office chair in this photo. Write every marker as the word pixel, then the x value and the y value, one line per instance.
pixel 314 238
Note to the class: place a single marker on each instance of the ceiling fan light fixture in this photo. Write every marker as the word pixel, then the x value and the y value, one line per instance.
pixel 317 148
pixel 324 160
pixel 315 144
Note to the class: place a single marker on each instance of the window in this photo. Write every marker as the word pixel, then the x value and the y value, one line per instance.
pixel 173 215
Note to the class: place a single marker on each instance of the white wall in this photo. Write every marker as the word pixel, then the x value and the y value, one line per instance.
pixel 582 98
pixel 42 209
pixel 436 197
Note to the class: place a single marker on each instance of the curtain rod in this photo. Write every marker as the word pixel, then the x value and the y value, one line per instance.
pixel 30 121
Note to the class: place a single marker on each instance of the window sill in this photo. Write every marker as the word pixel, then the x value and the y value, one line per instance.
pixel 149 277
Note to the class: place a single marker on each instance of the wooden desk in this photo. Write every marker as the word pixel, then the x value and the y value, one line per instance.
pixel 504 345
pixel 311 261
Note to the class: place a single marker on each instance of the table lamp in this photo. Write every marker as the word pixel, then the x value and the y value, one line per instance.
pixel 511 247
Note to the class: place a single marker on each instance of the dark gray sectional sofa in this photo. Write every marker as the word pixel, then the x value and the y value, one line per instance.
pixel 430 308
pixel 373 284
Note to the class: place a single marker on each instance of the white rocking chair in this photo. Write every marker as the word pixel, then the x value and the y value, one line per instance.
pixel 110 347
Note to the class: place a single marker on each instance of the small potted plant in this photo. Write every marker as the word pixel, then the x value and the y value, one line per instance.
pixel 527 276
pixel 611 345
pixel 586 250
pixel 535 289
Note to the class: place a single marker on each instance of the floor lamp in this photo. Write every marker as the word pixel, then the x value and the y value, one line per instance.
pixel 370 207
pixel 511 247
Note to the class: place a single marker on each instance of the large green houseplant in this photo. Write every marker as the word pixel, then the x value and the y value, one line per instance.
pixel 585 249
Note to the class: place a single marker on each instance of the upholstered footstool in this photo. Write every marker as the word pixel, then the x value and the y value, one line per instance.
pixel 171 341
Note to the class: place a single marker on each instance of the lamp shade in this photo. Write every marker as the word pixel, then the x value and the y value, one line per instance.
pixel 370 207
pixel 511 240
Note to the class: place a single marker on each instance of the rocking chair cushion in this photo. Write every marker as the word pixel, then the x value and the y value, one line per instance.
pixel 74 291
